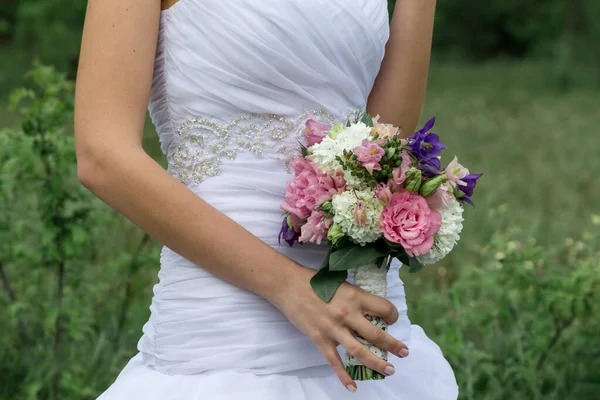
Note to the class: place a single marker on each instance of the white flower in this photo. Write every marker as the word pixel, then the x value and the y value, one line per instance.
pixel 325 153
pixel 343 208
pixel 446 238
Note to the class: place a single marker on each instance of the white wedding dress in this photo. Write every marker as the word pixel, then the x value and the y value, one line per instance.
pixel 233 80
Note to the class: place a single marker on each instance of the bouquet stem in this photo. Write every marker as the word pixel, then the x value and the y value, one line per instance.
pixel 373 279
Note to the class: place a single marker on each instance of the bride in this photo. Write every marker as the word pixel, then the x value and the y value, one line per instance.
pixel 229 84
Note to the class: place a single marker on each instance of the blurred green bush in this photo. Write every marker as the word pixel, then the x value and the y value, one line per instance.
pixel 480 30
pixel 47 29
pixel 465 29
pixel 68 264
pixel 522 322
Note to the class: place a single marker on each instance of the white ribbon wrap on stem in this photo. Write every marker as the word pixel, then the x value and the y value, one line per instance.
pixel 373 280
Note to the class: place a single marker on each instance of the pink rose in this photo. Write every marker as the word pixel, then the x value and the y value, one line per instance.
pixel 315 131
pixel 399 173
pixel 315 228
pixel 439 200
pixel 369 154
pixel 409 221
pixel 455 172
pixel 383 193
pixel 310 188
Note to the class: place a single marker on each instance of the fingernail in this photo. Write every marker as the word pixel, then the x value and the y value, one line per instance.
pixel 351 388
pixel 389 370
pixel 403 353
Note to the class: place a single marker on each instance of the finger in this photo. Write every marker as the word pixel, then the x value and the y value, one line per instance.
pixel 361 353
pixel 380 307
pixel 378 336
pixel 333 358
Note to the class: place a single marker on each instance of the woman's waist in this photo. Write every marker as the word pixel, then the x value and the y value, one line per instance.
pixel 184 282
pixel 199 323
pixel 193 335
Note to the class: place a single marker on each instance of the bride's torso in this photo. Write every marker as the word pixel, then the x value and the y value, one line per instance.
pixel 233 80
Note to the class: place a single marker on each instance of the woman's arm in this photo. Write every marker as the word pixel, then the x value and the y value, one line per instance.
pixel 112 92
pixel 399 89
pixel 113 86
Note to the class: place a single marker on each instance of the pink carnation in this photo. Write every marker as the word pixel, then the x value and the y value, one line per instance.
pixel 409 221
pixel 399 173
pixel 310 188
pixel 315 229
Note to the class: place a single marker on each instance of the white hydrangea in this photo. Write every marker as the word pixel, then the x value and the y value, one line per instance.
pixel 343 209
pixel 446 238
pixel 324 153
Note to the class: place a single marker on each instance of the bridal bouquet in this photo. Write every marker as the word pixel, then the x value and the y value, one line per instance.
pixel 373 196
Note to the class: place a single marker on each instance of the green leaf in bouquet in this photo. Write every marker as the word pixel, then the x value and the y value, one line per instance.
pixel 414 265
pixel 384 246
pixel 393 245
pixel 353 257
pixel 367 120
pixel 326 282
pixel 381 261
pixel 343 242
pixel 325 263
pixel 326 207
pixel 402 257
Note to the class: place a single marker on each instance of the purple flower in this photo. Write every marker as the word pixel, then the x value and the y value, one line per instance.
pixel 289 235
pixel 471 181
pixel 431 167
pixel 425 145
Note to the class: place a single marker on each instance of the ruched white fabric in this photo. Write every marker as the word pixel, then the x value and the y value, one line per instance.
pixel 233 79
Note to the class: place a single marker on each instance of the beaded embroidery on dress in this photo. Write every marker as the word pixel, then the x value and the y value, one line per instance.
pixel 232 82
pixel 204 142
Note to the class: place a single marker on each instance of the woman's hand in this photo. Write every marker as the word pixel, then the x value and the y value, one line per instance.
pixel 332 323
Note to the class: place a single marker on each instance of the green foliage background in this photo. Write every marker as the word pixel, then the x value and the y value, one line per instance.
pixel 514 86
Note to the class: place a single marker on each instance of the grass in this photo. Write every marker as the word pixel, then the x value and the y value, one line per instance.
pixel 536 147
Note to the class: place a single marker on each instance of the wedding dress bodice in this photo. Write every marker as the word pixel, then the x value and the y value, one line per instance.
pixel 219 59
pixel 233 83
